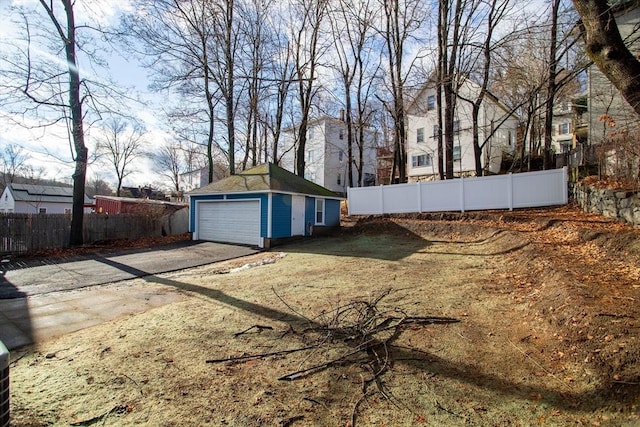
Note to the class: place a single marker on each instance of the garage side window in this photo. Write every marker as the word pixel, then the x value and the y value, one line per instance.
pixel 319 211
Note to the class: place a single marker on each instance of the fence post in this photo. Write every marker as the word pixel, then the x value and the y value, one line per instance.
pixel 381 199
pixel 419 197
pixel 461 193
pixel 510 189
pixel 348 209
pixel 565 185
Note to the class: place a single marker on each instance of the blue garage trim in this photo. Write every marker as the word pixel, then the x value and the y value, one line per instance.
pixel 331 212
pixel 281 215
pixel 309 215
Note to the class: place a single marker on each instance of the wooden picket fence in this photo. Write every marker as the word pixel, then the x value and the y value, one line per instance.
pixel 21 233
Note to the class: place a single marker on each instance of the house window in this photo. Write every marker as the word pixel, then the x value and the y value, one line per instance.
pixel 431 102
pixel 42 210
pixel 341 134
pixel 456 152
pixel 310 156
pixel 340 155
pixel 67 211
pixel 310 133
pixel 510 138
pixel 456 126
pixel 563 128
pixel 320 211
pixel 339 180
pixel 421 160
pixel 420 135
pixel 436 131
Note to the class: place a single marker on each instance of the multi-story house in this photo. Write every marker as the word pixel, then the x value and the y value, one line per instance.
pixel 497 133
pixel 562 127
pixel 326 155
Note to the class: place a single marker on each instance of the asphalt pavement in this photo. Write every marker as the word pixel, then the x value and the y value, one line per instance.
pixel 43 301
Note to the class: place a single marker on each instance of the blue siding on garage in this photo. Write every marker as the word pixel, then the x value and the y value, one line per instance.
pixel 281 212
pixel 309 215
pixel 281 215
pixel 331 212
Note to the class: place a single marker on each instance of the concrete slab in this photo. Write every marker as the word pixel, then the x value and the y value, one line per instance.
pixel 21 282
pixel 38 303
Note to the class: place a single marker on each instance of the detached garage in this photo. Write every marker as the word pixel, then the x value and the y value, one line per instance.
pixel 260 205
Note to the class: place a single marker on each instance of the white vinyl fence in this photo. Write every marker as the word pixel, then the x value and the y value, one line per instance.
pixel 522 190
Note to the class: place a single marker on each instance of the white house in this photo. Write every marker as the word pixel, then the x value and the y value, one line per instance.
pixel 326 155
pixel 562 127
pixel 38 199
pixel 496 126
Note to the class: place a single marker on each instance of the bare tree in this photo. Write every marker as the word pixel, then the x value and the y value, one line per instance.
pixel 307 51
pixel 222 19
pixel 119 145
pixel 98 186
pixel 168 161
pixel 53 86
pixel 176 41
pixel 491 12
pixel 14 162
pixel 353 33
pixel 401 18
pixel 283 72
pixel 607 49
pixel 256 49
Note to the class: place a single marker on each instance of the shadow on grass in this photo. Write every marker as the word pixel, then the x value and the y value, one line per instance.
pixel 428 362
pixel 388 241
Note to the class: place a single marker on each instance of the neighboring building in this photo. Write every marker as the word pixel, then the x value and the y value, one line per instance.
pixel 609 113
pixel 260 205
pixel 194 179
pixel 562 127
pixel 200 177
pixel 496 125
pixel 39 199
pixel 326 155
pixel 385 165
pixel 126 205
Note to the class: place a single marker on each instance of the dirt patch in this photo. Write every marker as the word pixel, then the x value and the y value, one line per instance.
pixel 547 303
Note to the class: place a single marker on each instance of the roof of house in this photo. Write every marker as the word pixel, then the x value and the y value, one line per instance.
pixel 266 177
pixel 42 193
pixel 139 201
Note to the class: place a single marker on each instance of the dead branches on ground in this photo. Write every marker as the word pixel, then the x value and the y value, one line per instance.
pixel 359 332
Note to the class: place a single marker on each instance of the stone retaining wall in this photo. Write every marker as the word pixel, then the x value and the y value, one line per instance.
pixel 621 205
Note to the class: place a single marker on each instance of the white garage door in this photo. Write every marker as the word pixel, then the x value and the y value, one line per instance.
pixel 233 221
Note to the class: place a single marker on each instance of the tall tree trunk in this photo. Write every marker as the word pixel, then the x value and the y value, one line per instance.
pixel 77 131
pixel 552 86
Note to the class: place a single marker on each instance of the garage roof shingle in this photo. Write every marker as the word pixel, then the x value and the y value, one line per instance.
pixel 265 177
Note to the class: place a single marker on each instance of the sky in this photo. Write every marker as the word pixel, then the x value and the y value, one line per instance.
pixel 48 148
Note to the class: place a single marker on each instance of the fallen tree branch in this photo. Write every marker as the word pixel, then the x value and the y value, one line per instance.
pixel 259 356
pixel 260 328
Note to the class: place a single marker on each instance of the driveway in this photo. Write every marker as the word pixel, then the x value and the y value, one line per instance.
pixel 19 282
pixel 44 299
